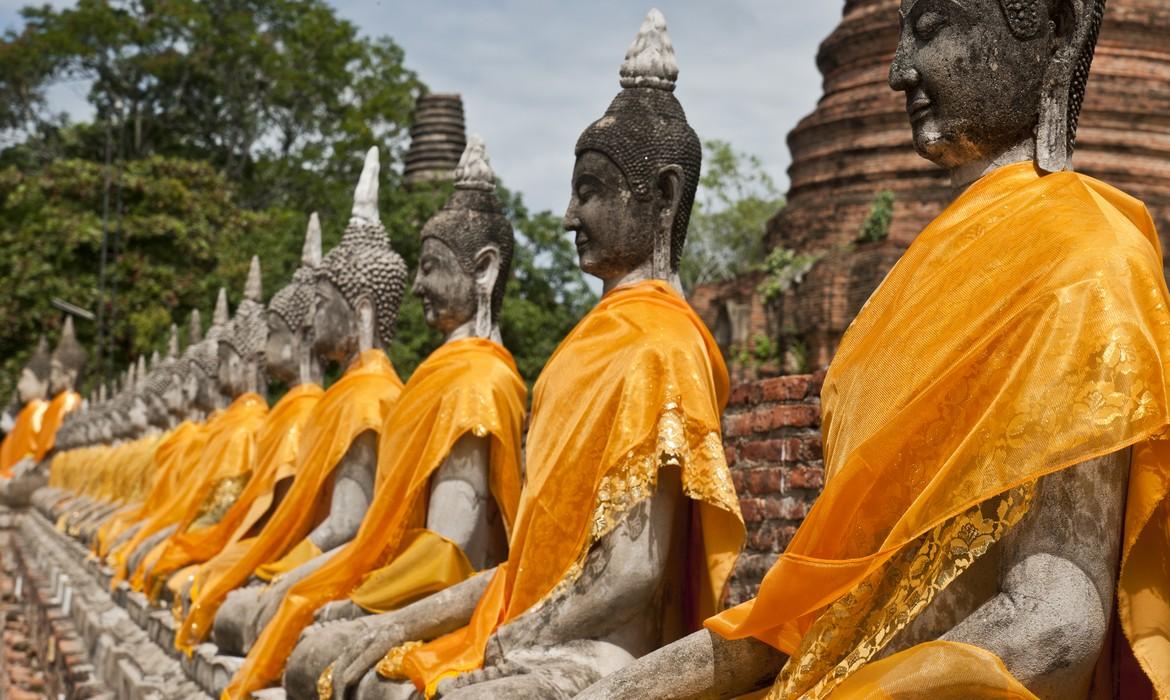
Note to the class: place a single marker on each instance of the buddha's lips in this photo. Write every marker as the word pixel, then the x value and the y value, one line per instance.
pixel 917 107
pixel 582 241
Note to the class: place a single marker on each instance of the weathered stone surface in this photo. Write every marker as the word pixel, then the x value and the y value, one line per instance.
pixel 437 138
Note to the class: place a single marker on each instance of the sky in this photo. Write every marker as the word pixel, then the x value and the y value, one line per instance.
pixel 534 73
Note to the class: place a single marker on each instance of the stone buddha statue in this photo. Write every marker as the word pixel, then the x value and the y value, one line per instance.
pixel 896 586
pixel 241 347
pixel 359 287
pixel 470 478
pixel 628 525
pixel 201 386
pixel 289 355
pixel 32 387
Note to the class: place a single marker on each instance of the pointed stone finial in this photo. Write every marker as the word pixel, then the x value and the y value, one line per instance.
pixel 311 252
pixel 194 327
pixel 650 60
pixel 155 359
pixel 103 393
pixel 220 317
pixel 140 371
pixel 365 197
pixel 474 171
pixel 128 379
pixel 173 343
pixel 252 288
pixel 68 335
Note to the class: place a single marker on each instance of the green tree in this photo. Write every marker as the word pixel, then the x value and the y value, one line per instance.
pixel 736 197
pixel 181 235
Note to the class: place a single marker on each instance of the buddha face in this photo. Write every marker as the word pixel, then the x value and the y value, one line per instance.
pixel 200 390
pixel 231 370
pixel 31 387
pixel 156 410
pixel 137 415
pixel 447 291
pixel 173 397
pixel 615 230
pixel 335 323
pixel 61 378
pixel 281 351
pixel 972 87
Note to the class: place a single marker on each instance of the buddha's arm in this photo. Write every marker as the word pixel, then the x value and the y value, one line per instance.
pixel 700 666
pixel 422 620
pixel 459 501
pixel 620 578
pixel 1057 576
pixel 353 485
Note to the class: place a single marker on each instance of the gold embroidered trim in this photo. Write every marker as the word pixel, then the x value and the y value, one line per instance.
pixel 390 667
pixel 854 629
pixel 325 684
pixel 225 492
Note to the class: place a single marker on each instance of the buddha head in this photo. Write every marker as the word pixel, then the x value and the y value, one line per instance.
pixel 34 376
pixel 637 170
pixel 201 386
pixel 241 345
pixel 360 282
pixel 984 78
pixel 158 382
pixel 466 252
pixel 173 388
pixel 67 362
pixel 289 353
pixel 137 411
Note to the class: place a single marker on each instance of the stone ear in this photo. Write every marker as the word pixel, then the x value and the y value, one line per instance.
pixel 364 309
pixel 1053 140
pixel 487 268
pixel 668 189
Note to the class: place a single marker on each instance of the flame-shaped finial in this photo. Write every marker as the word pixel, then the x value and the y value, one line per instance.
pixel 650 60
pixel 140 371
pixel 220 317
pixel 311 252
pixel 173 343
pixel 474 171
pixel 365 197
pixel 252 288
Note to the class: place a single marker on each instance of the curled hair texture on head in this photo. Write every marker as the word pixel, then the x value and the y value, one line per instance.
pixel 365 265
pixel 645 128
pixel 294 301
pixel 473 218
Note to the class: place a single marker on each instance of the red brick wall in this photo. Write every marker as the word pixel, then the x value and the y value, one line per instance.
pixel 771 433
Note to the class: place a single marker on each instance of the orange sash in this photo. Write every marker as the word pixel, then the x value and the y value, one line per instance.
pixel 638 382
pixel 22 441
pixel 465 386
pixel 359 401
pixel 1025 330
pixel 276 445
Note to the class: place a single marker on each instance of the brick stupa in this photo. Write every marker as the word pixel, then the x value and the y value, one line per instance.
pixel 857 143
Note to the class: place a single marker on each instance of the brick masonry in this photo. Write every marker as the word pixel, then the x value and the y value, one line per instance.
pixel 772 437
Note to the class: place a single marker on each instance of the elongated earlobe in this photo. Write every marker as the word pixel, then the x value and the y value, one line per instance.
pixel 487 271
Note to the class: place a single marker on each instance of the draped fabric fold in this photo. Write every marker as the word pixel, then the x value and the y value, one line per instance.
pixel 62 404
pixel 276 445
pixel 177 445
pixel 637 385
pixel 227 457
pixel 357 402
pixel 22 441
pixel 1025 330
pixel 465 386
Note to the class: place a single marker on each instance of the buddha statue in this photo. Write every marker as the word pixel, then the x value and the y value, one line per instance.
pixel 994 418
pixel 448 476
pixel 358 288
pixel 289 358
pixel 66 366
pixel 202 396
pixel 32 387
pixel 628 525
pixel 225 465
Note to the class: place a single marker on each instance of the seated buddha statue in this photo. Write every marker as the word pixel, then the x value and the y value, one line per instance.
pixel 448 478
pixel 282 352
pixel 628 525
pixel 358 289
pixel 224 466
pixel 994 419
pixel 32 387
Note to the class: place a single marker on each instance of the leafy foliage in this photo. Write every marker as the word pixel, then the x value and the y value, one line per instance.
pixel 181 236
pixel 734 201
pixel 877 223
pixel 784 268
